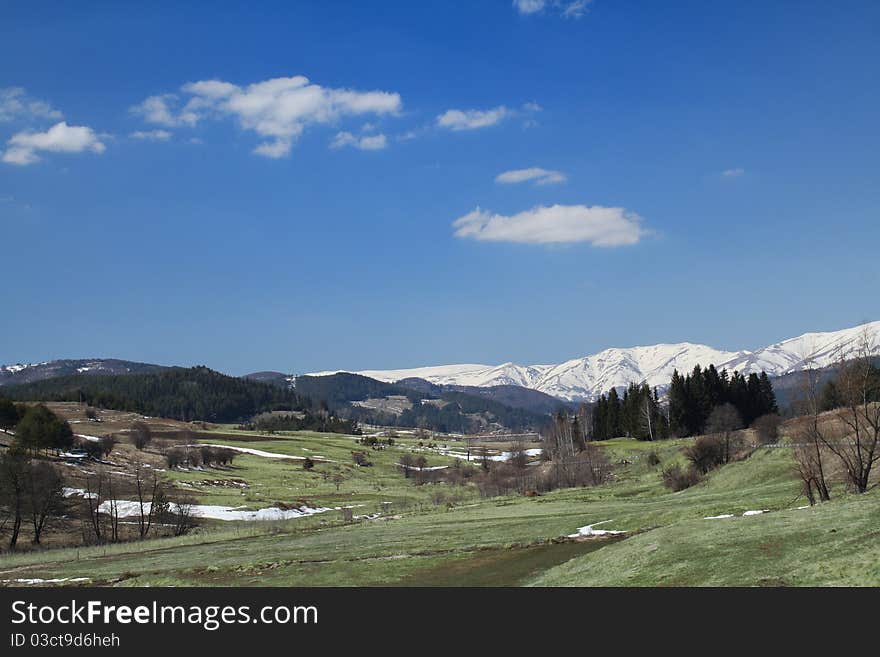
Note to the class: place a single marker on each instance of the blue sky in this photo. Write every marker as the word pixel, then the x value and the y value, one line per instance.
pixel 329 195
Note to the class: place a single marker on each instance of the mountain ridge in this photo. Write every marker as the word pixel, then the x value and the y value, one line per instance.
pixel 584 379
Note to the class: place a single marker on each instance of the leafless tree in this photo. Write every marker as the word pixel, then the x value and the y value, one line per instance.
pixel 45 497
pixel 148 487
pixel 518 456
pixel 182 516
pixel 646 413
pixel 141 434
pixel 724 421
pixel 767 428
pixel 858 444
pixel 92 497
pixel 406 462
pixel 810 437
pixel 112 508
pixel 595 463
pixel 13 472
pixel 108 443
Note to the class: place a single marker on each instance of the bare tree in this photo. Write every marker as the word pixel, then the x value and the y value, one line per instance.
pixel 13 469
pixel 45 496
pixel 809 439
pixel 108 443
pixel 183 518
pixel 646 412
pixel 141 434
pixel 94 491
pixel 767 428
pixel 518 457
pixel 724 421
pixel 858 445
pixel 112 504
pixel 406 462
pixel 148 489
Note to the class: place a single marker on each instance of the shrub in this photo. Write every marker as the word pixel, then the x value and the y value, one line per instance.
pixel 767 428
pixel 677 478
pixel 175 457
pixel 308 463
pixel 107 444
pixel 706 453
pixel 653 458
pixel 92 449
pixel 141 435
pixel 360 458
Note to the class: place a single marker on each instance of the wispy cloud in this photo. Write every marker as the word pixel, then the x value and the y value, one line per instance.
pixel 364 143
pixel 278 110
pixel 536 174
pixel 151 135
pixel 472 119
pixel 733 173
pixel 557 224
pixel 24 147
pixel 16 104
pixel 565 8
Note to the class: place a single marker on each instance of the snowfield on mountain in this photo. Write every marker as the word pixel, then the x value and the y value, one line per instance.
pixel 588 377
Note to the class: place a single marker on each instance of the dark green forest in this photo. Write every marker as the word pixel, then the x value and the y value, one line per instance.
pixel 186 394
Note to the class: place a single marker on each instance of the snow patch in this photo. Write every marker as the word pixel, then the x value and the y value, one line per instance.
pixel 589 531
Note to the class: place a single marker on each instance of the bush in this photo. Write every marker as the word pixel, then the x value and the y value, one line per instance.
pixel 767 428
pixel 175 457
pixel 677 478
pixel 92 449
pixel 308 463
pixel 141 435
pixel 360 458
pixel 653 458
pixel 107 444
pixel 706 453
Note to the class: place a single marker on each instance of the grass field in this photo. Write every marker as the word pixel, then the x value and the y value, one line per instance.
pixel 498 541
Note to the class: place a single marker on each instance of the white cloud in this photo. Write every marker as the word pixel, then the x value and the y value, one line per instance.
pixel 575 9
pixel 733 173
pixel 151 135
pixel 366 143
pixel 60 138
pixel 537 174
pixel 471 119
pixel 565 8
pixel 529 6
pixel 278 110
pixel 159 110
pixel 556 224
pixel 16 104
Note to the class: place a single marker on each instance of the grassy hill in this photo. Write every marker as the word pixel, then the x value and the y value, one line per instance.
pixel 422 537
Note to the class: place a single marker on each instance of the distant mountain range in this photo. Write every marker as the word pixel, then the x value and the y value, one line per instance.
pixel 536 387
pixel 31 372
pixel 584 379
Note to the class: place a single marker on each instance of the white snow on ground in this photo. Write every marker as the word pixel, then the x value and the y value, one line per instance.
pixel 70 492
pixel 37 580
pixel 589 531
pixel 426 468
pixel 259 452
pixel 127 508
pixel 756 512
pixel 93 439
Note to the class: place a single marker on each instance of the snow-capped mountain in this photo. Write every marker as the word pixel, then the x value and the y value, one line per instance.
pixel 588 377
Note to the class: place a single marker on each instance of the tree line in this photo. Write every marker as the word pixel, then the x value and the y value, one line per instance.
pixel 185 394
